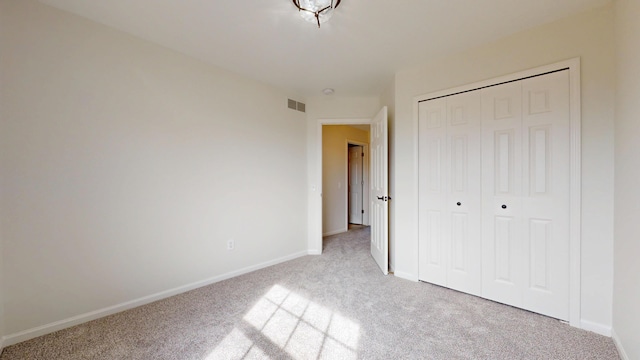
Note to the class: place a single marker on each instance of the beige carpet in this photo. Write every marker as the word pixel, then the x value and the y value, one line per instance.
pixel 334 306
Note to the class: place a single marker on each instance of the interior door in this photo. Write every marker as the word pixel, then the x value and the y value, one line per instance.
pixel 356 182
pixel 380 190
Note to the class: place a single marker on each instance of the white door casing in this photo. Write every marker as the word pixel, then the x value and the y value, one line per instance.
pixel 356 183
pixel 379 196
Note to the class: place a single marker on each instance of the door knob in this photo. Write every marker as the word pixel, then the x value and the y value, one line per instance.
pixel 458 203
pixel 504 206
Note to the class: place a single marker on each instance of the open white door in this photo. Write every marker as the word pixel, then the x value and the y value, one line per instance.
pixel 380 191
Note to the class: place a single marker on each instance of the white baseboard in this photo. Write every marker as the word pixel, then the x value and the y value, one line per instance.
pixel 314 252
pixel 335 232
pixel 406 276
pixel 82 318
pixel 595 327
pixel 618 343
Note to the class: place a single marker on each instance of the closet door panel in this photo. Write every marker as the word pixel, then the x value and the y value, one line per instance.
pixel 546 193
pixel 502 245
pixel 433 221
pixel 463 201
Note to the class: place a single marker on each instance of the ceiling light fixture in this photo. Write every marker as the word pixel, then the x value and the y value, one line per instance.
pixel 328 91
pixel 316 11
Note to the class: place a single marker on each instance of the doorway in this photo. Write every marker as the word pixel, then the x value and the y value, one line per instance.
pixel 345 177
pixel 378 189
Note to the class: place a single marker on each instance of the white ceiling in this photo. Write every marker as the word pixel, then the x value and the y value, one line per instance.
pixel 356 52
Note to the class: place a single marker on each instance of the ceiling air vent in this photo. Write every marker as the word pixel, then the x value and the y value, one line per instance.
pixel 296 105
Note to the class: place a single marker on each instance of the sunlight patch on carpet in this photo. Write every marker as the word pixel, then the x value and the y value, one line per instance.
pixel 300 327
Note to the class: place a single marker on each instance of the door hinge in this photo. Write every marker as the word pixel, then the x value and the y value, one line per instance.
pixel 362 182
pixel 362 154
pixel 363 211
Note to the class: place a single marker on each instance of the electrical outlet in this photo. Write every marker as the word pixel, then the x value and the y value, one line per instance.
pixel 231 244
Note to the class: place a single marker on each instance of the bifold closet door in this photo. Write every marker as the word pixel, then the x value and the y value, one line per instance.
pixel 502 232
pixel 450 192
pixel 432 222
pixel 525 177
pixel 546 186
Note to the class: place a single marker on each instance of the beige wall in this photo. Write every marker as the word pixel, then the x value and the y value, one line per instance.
pixel 626 294
pixel 3 215
pixel 2 297
pixel 327 108
pixel 126 167
pixel 588 36
pixel 334 175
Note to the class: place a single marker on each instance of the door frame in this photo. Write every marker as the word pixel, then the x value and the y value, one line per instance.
pixel 316 239
pixel 366 217
pixel 575 156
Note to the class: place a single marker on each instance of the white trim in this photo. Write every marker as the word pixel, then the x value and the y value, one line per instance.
pixel 595 327
pixel 575 193
pixel 618 343
pixel 316 241
pixel 416 188
pixel 575 217
pixel 335 232
pixel 92 315
pixel 314 252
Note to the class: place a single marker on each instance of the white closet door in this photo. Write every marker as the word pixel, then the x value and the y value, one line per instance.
pixel 450 192
pixel 463 200
pixel 432 222
pixel 525 177
pixel 502 244
pixel 494 182
pixel 546 180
